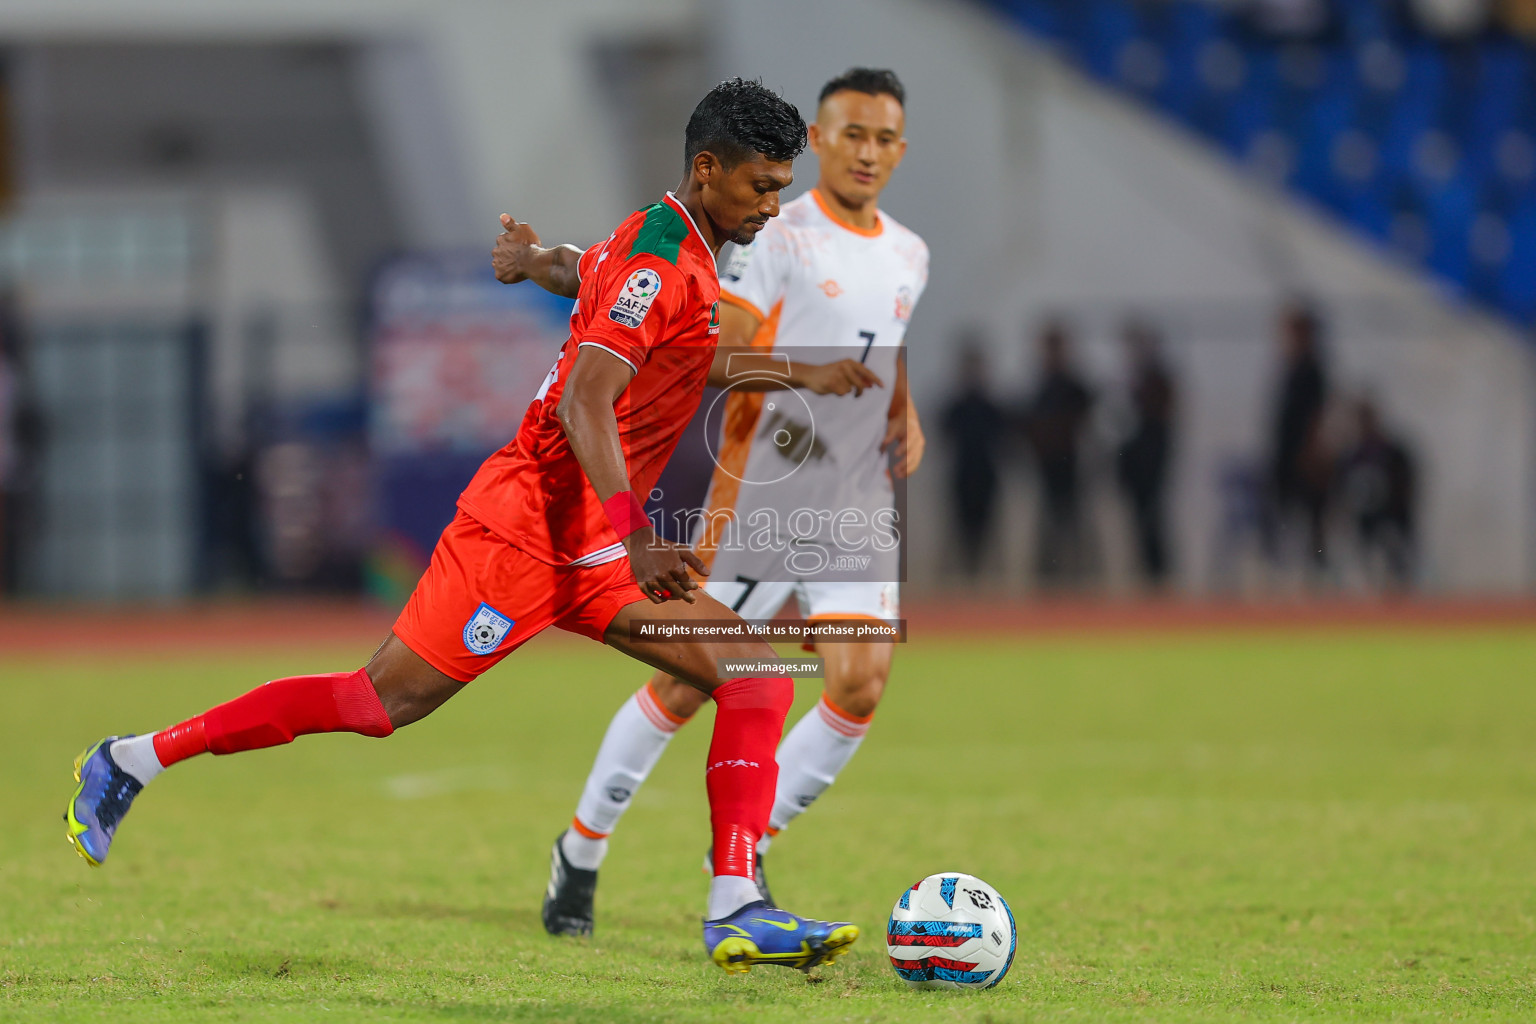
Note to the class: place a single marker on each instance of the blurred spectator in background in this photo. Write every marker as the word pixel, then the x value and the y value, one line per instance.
pixel 1142 461
pixel 974 424
pixel 1377 487
pixel 1054 419
pixel 230 557
pixel 10 399
pixel 21 439
pixel 1300 477
pixel 1451 19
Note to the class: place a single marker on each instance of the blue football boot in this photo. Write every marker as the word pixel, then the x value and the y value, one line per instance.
pixel 760 934
pixel 104 795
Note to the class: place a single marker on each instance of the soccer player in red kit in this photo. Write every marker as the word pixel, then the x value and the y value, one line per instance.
pixel 550 532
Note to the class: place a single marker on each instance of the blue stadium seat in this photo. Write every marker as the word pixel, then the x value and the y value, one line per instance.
pixel 1042 17
pixel 1367 19
pixel 1501 87
pixel 1365 145
pixel 1184 30
pixel 1100 30
pixel 1368 208
pixel 1451 211
pixel 1252 109
pixel 1518 279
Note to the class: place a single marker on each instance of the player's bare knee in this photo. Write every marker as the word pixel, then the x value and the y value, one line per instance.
pixel 857 690
pixel 860 702
pixel 406 704
pixel 407 686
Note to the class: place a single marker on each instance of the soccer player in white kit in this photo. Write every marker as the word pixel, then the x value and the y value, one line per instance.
pixel 832 275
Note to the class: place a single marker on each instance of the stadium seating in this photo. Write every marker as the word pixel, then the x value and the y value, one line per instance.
pixel 1426 146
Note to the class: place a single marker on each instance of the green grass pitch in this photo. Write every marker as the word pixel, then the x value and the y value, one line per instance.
pixel 1294 825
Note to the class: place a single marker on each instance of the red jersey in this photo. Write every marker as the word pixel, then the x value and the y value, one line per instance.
pixel 649 296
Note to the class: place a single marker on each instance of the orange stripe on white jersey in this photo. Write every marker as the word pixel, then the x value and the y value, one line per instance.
pixel 834 217
pixel 742 409
pixel 840 720
pixel 737 300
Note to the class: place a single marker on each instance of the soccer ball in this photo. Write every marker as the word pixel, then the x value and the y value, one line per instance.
pixel 951 931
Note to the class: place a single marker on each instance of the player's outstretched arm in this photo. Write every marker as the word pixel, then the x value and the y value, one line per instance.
pixel 518 256
pixel 737 366
pixel 586 414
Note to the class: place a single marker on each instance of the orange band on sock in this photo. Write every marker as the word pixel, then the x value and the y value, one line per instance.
pixel 650 702
pixel 771 832
pixel 582 830
pixel 844 715
pixel 840 721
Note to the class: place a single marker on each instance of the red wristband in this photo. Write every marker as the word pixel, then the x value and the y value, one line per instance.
pixel 625 513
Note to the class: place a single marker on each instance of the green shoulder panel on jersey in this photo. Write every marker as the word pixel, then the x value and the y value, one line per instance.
pixel 662 233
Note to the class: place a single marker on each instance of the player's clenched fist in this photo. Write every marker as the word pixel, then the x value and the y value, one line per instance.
pixel 514 247
pixel 661 567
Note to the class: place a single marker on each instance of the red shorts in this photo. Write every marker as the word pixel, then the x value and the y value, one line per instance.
pixel 481 599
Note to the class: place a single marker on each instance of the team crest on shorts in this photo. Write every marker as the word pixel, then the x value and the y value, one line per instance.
pixel 635 299
pixel 485 630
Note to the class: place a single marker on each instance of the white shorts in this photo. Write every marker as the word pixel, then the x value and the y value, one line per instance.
pixel 752 599
pixel 756 583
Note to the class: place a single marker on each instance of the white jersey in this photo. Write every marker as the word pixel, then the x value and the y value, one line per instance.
pixel 826 290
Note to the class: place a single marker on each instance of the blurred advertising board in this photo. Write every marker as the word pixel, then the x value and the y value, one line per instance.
pixel 456 357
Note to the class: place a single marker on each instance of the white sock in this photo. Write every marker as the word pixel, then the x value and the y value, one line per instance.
pixel 136 756
pixel 810 757
pixel 634 742
pixel 582 851
pixel 765 842
pixel 728 894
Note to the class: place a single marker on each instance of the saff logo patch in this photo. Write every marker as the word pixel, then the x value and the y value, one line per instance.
pixel 635 298
pixel 642 284
pixel 714 319
pixel 485 630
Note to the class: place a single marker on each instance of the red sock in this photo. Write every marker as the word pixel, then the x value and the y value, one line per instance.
pixel 742 771
pixel 277 712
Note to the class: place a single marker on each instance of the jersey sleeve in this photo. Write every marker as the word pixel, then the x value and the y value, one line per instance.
pixel 756 276
pixel 632 307
pixel 588 261
pixel 920 265
pixel 922 281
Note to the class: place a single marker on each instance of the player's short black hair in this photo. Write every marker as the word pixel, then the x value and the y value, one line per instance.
pixel 874 81
pixel 739 118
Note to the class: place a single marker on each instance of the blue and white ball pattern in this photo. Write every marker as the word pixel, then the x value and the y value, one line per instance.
pixel 951 930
